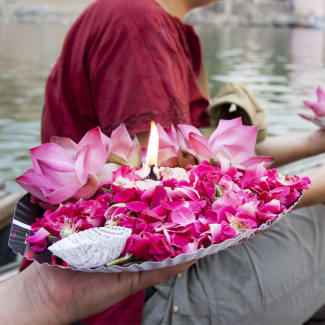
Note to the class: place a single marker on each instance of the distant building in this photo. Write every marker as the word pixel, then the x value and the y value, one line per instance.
pixel 309 7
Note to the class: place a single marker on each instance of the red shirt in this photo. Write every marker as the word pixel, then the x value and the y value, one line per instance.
pixel 124 61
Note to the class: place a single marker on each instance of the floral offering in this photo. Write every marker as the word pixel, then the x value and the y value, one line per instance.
pixel 102 207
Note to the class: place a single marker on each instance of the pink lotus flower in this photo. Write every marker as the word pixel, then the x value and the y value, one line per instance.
pixel 318 107
pixel 123 150
pixel 231 144
pixel 63 169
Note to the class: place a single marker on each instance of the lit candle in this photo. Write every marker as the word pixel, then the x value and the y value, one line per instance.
pixel 152 152
pixel 150 172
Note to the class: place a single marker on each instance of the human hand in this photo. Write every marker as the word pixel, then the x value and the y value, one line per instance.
pixel 50 295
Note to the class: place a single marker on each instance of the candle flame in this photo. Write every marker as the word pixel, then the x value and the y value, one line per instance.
pixel 153 146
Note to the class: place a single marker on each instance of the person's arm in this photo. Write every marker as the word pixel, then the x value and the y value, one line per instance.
pixel 287 149
pixel 316 192
pixel 54 296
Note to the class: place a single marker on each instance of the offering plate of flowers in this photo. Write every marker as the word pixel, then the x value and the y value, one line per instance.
pixel 106 205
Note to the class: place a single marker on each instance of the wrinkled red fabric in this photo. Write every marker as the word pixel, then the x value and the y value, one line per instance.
pixel 124 61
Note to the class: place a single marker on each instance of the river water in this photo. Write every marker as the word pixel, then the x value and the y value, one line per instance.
pixel 281 67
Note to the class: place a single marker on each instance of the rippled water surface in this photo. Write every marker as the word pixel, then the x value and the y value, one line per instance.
pixel 281 67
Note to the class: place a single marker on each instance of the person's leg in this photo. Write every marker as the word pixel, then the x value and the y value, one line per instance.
pixel 289 263
pixel 275 278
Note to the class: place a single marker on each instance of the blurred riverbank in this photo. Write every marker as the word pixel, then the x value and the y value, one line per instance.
pixel 235 12
pixel 41 10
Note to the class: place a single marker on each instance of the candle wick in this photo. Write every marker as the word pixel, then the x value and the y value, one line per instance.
pixel 152 174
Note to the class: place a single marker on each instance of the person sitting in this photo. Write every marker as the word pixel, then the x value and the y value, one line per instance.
pixel 126 61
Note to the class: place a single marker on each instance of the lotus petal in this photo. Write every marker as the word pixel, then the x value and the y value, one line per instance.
pixel 49 151
pixel 252 163
pixel 167 157
pixel 98 144
pixel 223 126
pixel 105 175
pixel 319 106
pixel 134 158
pixel 82 164
pixel 58 195
pixel 121 143
pixel 200 145
pixel 89 189
pixel 186 130
pixel 164 139
pixel 67 144
pixel 57 176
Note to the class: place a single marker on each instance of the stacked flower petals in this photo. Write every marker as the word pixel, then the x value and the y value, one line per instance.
pixel 227 192
pixel 176 217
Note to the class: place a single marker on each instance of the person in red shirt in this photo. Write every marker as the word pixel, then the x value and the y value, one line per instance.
pixel 126 61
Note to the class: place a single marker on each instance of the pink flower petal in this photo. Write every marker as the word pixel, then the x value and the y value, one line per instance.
pixel 179 240
pixel 105 175
pixel 39 236
pixel 183 216
pixel 190 247
pixel 167 157
pixel 186 130
pixel 185 193
pixel 200 145
pixel 97 144
pixel 164 139
pixel 56 176
pixel 67 144
pixel 224 126
pixel 137 206
pixel 49 151
pixel 121 142
pixel 253 162
pixel 38 240
pixel 125 196
pixel 60 194
pixel 272 206
pixel 159 195
pixel 82 164
pixel 321 94
pixel 56 165
pixel 175 205
pixel 134 158
pixel 222 232
pixel 307 117
pixel 216 231
pixel 88 189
